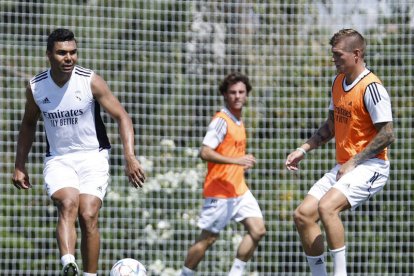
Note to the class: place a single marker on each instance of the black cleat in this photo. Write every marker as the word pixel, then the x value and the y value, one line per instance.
pixel 70 269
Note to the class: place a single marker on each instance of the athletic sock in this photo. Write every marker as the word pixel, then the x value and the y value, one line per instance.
pixel 187 272
pixel 68 258
pixel 317 265
pixel 237 268
pixel 339 261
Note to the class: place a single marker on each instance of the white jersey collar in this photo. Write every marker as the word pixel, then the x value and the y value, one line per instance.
pixel 350 86
pixel 227 111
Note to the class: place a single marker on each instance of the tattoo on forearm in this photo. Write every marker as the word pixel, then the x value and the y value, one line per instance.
pixel 325 133
pixel 322 135
pixel 384 138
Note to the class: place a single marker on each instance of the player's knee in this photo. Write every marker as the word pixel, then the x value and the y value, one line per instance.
pixel 258 233
pixel 88 215
pixel 325 210
pixel 207 236
pixel 206 240
pixel 300 218
pixel 88 220
pixel 202 245
pixel 210 240
pixel 67 207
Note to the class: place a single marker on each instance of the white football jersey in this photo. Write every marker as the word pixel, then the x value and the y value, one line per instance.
pixel 71 115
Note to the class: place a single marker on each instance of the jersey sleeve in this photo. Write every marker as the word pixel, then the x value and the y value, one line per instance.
pixel 378 103
pixel 216 131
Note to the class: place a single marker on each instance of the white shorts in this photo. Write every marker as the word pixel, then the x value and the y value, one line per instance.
pixel 218 212
pixel 86 171
pixel 358 185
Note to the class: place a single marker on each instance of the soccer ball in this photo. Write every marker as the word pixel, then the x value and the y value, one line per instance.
pixel 128 267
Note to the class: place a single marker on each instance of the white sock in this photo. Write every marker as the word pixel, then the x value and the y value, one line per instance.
pixel 339 261
pixel 187 272
pixel 237 268
pixel 68 258
pixel 317 265
pixel 89 274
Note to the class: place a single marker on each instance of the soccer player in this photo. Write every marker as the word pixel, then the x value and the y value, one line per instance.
pixel 76 167
pixel 360 119
pixel 226 195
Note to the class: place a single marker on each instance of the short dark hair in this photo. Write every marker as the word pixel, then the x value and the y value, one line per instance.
pixel 357 41
pixel 234 78
pixel 59 35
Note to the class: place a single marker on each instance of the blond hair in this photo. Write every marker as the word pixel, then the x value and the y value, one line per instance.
pixel 355 40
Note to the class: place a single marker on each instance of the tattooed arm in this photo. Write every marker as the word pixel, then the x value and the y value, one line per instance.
pixel 323 135
pixel 384 138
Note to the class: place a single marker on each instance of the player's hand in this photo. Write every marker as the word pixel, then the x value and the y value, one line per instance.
pixel 247 161
pixel 345 168
pixel 293 159
pixel 135 173
pixel 21 179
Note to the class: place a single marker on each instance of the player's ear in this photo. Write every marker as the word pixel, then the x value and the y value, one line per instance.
pixel 357 53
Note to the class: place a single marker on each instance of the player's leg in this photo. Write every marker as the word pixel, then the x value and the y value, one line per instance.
pixel 350 191
pixel 89 206
pixel 246 210
pixel 330 207
pixel 306 216
pixel 256 230
pixel 62 185
pixel 197 251
pixel 306 219
pixel 93 171
pixel 214 216
pixel 67 202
